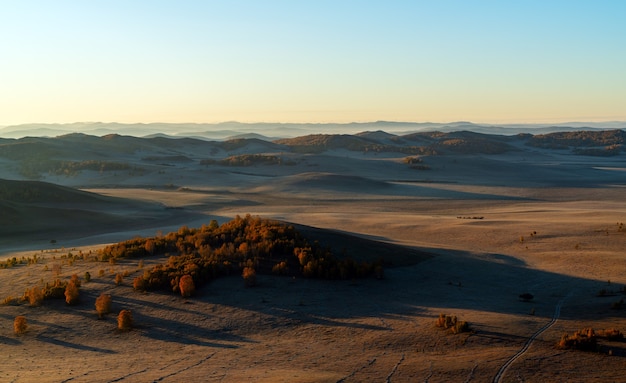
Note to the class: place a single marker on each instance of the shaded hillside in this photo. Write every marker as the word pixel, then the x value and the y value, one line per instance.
pixel 35 192
pixel 45 211
pixel 328 181
pixel 253 145
pixel 463 142
pixel 319 143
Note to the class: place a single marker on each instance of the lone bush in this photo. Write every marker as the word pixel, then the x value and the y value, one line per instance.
pixel 103 305
pixel 125 320
pixel 35 296
pixel 186 286
pixel 19 324
pixel 71 293
pixel 119 278
pixel 87 276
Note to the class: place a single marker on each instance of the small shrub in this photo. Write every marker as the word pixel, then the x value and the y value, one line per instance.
pixel 103 305
pixel 119 278
pixel 20 325
pixel 186 286
pixel 35 296
pixel 87 276
pixel 101 272
pixel 125 320
pixel 441 321
pixel 249 276
pixel 71 293
pixel 139 284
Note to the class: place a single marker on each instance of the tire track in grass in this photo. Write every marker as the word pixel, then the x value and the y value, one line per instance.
pixel 507 364
pixel 395 368
pixel 184 368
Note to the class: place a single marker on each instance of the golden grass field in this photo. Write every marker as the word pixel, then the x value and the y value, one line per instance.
pixel 467 223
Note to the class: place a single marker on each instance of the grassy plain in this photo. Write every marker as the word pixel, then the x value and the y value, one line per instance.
pixel 493 226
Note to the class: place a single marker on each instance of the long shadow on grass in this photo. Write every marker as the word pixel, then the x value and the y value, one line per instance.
pixel 76 346
pixel 183 331
pixel 446 281
pixel 9 341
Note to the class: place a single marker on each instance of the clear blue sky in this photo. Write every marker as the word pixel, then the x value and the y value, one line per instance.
pixel 312 61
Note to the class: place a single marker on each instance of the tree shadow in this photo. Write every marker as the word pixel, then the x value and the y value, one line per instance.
pixel 76 346
pixel 182 330
pixel 444 281
pixel 9 341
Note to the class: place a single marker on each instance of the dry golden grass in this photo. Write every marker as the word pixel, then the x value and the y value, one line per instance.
pixel 389 322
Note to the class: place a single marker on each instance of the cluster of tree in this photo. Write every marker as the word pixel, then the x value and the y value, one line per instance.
pixel 245 160
pixel 587 339
pixel 582 138
pixel 215 250
pixel 318 143
pixel 33 167
pixel 607 151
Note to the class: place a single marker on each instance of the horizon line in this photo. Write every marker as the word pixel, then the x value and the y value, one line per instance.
pixel 542 122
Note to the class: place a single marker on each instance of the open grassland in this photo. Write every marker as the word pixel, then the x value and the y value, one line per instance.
pixel 475 233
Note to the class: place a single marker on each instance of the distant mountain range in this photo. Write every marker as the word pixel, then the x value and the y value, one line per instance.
pixel 274 131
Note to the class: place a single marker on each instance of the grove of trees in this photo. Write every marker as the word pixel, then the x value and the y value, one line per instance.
pixel 245 243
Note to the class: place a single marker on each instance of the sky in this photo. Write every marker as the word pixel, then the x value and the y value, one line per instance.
pixel 131 61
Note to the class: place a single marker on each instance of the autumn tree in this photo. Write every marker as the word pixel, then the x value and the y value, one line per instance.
pixel 71 293
pixel 103 305
pixel 186 286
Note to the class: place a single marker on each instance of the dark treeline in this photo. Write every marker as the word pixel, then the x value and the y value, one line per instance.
pixel 217 250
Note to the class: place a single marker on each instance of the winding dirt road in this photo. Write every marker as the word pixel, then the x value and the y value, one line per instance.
pixel 507 364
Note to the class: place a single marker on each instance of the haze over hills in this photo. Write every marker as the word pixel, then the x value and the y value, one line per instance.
pixel 85 160
pixel 224 130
